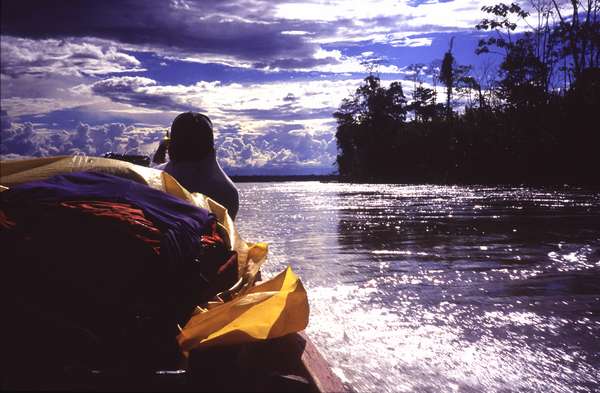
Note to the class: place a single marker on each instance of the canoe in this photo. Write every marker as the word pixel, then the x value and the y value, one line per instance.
pixel 291 364
pixel 288 363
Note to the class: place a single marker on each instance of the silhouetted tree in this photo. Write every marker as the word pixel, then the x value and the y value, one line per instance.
pixel 524 76
pixel 579 34
pixel 519 128
pixel 423 104
pixel 447 77
pixel 367 122
pixel 421 96
pixel 453 76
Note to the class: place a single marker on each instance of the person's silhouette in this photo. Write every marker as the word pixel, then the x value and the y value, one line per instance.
pixel 193 162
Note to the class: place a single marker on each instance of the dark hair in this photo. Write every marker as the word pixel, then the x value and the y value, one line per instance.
pixel 191 137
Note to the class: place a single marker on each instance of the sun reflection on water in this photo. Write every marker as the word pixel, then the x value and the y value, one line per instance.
pixel 423 288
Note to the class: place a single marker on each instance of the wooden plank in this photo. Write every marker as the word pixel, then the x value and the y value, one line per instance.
pixel 318 368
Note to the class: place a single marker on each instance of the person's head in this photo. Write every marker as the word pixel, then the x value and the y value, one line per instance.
pixel 191 137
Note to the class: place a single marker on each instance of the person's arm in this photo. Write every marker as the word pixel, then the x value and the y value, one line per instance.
pixel 161 153
pixel 235 204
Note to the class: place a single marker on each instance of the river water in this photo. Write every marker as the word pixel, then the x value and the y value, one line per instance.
pixel 421 288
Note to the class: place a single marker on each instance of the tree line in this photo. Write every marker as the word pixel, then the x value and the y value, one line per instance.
pixel 533 119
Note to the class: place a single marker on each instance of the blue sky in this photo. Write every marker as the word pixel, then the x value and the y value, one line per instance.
pixel 94 76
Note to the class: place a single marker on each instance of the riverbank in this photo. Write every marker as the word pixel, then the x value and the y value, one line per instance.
pixel 542 182
pixel 265 178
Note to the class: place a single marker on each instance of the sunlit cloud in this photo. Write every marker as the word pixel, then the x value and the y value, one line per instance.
pixel 45 57
pixel 269 74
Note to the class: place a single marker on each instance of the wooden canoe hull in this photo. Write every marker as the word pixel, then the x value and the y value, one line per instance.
pixel 290 364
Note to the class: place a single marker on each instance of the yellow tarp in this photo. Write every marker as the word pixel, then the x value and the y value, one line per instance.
pixel 272 309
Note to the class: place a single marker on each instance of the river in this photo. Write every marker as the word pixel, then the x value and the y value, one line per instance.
pixel 423 288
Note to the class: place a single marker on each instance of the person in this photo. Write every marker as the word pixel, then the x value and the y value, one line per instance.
pixel 193 162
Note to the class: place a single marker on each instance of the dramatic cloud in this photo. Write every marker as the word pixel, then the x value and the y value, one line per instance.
pixel 234 29
pixel 5 122
pixel 283 146
pixel 262 126
pixel 228 103
pixel 93 76
pixel 245 33
pixel 141 92
pixel 20 140
pixel 38 76
pixel 29 139
pixel 21 57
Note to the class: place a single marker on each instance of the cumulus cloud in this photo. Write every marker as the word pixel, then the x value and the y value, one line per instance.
pixel 257 125
pixel 29 139
pixel 38 76
pixel 283 112
pixel 234 29
pixel 20 140
pixel 262 34
pixel 117 62
pixel 141 92
pixel 22 56
pixel 5 122
pixel 411 41
pixel 262 125
pixel 385 13
pixel 280 146
pixel 228 103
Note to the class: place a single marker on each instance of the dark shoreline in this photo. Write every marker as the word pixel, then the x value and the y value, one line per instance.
pixel 283 178
pixel 340 179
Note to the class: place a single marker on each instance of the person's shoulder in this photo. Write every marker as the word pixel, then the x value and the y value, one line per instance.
pixel 181 167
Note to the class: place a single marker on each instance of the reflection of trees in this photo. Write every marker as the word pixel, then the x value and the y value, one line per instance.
pixel 557 284
pixel 500 235
pixel 417 237
pixel 518 245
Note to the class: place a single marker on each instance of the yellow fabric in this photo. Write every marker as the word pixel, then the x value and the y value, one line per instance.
pixel 271 309
pixel 13 172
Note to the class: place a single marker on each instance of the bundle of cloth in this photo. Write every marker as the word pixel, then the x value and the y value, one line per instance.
pixel 99 270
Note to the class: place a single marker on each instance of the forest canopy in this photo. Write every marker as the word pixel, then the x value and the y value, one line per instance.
pixel 532 120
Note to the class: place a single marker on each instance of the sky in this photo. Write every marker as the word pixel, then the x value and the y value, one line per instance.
pixel 98 76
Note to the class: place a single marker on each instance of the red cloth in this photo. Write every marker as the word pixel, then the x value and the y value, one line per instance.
pixel 129 216
pixel 5 222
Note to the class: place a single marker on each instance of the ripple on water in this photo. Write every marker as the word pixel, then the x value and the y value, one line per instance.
pixel 420 288
pixel 411 348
